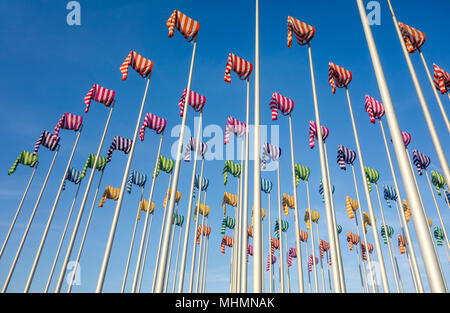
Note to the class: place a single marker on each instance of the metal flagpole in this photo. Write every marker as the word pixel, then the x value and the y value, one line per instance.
pixel 359 263
pixel 112 233
pixel 280 227
pixel 257 242
pixel 321 266
pixel 438 98
pixel 309 275
pixel 334 255
pixel 240 234
pixel 176 263
pixel 296 215
pixel 200 252
pixel 245 199
pixel 83 203
pixel 52 212
pixel 396 266
pixel 203 260
pixel 25 234
pixel 18 209
pixel 62 239
pixel 160 278
pixel 369 200
pixel 132 242
pixel 144 230
pixel 204 269
pixel 147 243
pixel 270 248
pixel 423 103
pixel 196 213
pixel 80 249
pixel 312 238
pixel 402 218
pixel 425 241
pixel 365 287
pixel 170 253
pixel 287 268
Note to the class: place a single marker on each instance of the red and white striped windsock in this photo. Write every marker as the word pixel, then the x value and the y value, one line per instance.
pixel 338 76
pixel 292 254
pixel 154 122
pixel 441 79
pixel 414 38
pixel 375 109
pixel 313 133
pixel 99 94
pixel 235 126
pixel 401 244
pixel 324 247
pixel 68 121
pixel 406 138
pixel 185 25
pixel 226 241
pixel 195 100
pixel 352 239
pixel 282 103
pixel 241 67
pixel 302 31
pixel 140 64
pixel 303 236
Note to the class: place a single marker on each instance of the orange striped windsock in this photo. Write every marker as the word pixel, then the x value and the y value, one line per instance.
pixel 351 205
pixel 168 195
pixel 302 31
pixel 401 244
pixel 288 202
pixel 144 206
pixel 303 236
pixel 185 25
pixel 414 38
pixel 109 193
pixel 140 64
pixel 406 210
pixel 352 239
pixel 314 218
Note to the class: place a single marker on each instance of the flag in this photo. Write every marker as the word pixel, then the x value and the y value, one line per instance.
pixel 109 193
pixel 137 179
pixel 270 151
pixel 191 146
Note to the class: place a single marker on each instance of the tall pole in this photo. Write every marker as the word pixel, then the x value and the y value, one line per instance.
pixel 270 249
pixel 204 269
pixel 83 203
pixel 50 218
pixel 18 209
pixel 147 240
pixel 170 253
pixel 425 241
pixel 176 263
pixel 313 247
pixel 25 234
pixel 280 227
pixel 257 235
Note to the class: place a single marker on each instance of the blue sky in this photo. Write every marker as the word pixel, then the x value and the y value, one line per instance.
pixel 49 66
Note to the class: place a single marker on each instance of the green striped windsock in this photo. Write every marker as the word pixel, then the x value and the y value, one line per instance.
pixel 301 172
pixel 101 164
pixel 178 219
pixel 227 222
pixel 390 232
pixel 438 181
pixel 164 164
pixel 439 235
pixel 284 227
pixel 230 167
pixel 25 158
pixel 372 176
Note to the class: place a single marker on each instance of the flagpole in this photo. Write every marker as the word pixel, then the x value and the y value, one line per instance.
pixel 257 242
pixel 334 255
pixel 270 248
pixel 176 263
pixel 365 286
pixel 147 243
pixel 144 233
pixel 321 265
pixel 200 251
pixel 170 254
pixel 203 260
pixel 160 278
pixel 309 275
pixel 402 218
pixel 18 209
pixel 296 215
pixel 83 203
pixel 280 226
pixel 52 212
pixel 204 269
pixel 25 234
pixel 287 267
pixel 240 237
pixel 80 249
pixel 312 237
pixel 438 98
pixel 62 239
pixel 132 242
pixel 396 265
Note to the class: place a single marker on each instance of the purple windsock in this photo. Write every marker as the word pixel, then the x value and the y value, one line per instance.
pixel 421 161
pixel 119 143
pixel 46 139
pixel 154 122
pixel 345 155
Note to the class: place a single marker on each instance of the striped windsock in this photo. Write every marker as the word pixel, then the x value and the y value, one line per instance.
pixel 109 193
pixel 292 255
pixel 321 190
pixel 119 143
pixel 406 138
pixel 375 109
pixel 144 206
pixel 250 231
pixel 301 172
pixel 169 194
pixel 229 199
pixel 310 262
pixel 390 194
pixel 263 214
pixel 439 235
pixel 238 65
pixel 230 167
pixel 339 229
pixel 196 101
pixel 338 76
pixel 164 164
pixel 203 230
pixel 313 133
pixel 367 221
pixel 99 94
pixel 274 260
pixel 227 222
pixel 287 203
pixel 74 176
pixel 352 205
pixel 24 158
pixel 205 183
pixel 68 121
pixel 136 178
pixel 178 220
pixel 352 239
pixel 372 176
pixel 390 233
pixel 441 79
pixel 438 181
pixel 363 248
pixel 302 31
pixel 187 27
pixel 324 247
pixel 414 38
pixel 303 236
pixel 227 241
pixel 406 210
pixel 421 161
pixel 280 103
pixel 401 244
pixel 140 64
pixel 101 164
pixel 284 227
pixel 234 126
pixel 154 122
pixel 249 251
pixel 202 209
pixel 191 146
pixel 270 151
pixel 46 139
pixel 315 216
pixel 266 185
pixel 345 156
